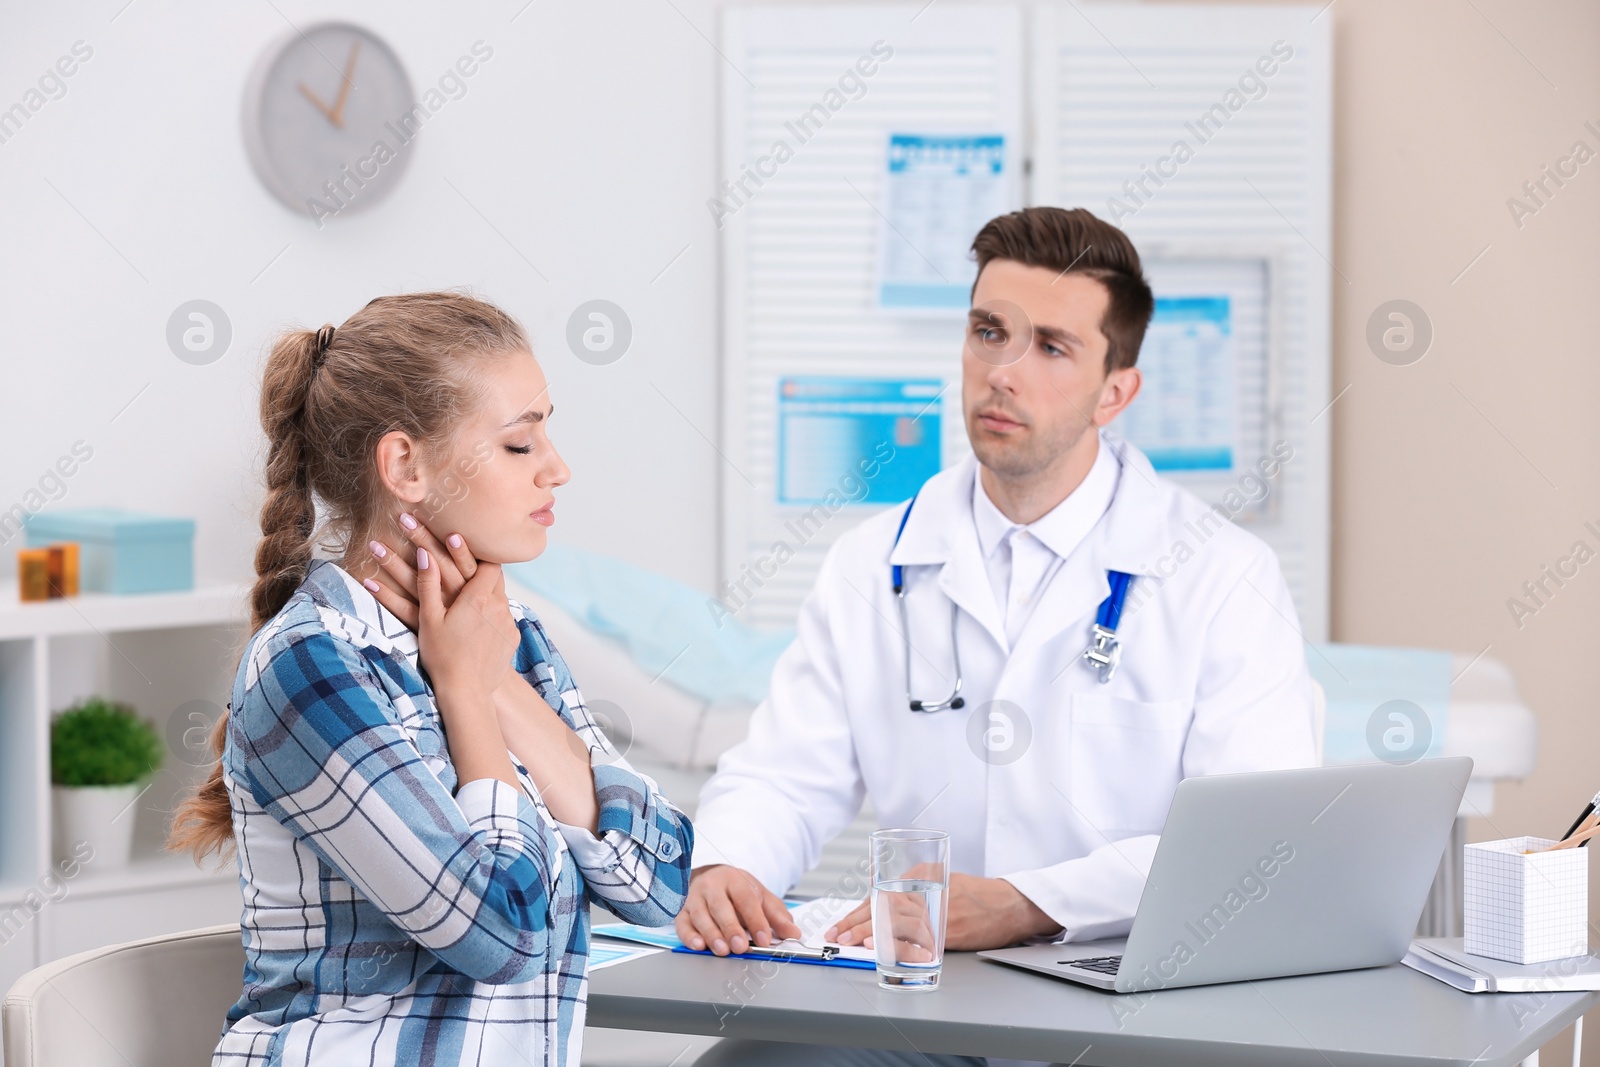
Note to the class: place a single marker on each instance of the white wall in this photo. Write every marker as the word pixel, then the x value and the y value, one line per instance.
pixel 588 141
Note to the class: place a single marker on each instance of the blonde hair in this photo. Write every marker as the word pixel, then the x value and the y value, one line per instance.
pixel 328 397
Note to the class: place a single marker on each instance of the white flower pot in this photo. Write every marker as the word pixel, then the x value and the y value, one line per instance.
pixel 101 816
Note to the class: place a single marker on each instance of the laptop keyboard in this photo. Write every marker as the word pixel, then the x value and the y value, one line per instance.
pixel 1099 964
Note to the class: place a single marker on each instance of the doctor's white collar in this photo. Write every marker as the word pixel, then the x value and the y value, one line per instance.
pixel 1134 531
pixel 1062 528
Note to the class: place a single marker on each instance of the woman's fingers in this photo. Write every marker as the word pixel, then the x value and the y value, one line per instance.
pixel 486 590
pixel 451 558
pixel 497 585
pixel 465 561
pixel 429 602
pixel 402 607
pixel 450 575
pixel 405 577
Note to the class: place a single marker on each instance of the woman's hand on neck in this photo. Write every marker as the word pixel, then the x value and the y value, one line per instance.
pixel 386 565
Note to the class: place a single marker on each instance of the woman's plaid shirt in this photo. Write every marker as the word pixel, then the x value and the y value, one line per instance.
pixel 393 915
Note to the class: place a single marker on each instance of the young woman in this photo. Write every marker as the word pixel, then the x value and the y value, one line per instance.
pixel 422 806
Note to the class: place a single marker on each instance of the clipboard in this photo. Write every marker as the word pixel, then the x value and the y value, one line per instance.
pixel 827 956
pixel 813 914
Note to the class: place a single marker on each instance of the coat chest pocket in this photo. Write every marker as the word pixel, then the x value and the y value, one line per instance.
pixel 1126 760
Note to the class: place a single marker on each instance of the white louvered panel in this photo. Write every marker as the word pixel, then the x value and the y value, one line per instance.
pixel 801 254
pixel 1114 88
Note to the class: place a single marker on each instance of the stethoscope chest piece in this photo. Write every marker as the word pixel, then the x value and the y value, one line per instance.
pixel 1104 652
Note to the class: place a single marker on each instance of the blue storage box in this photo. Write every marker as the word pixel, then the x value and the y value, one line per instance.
pixel 122 551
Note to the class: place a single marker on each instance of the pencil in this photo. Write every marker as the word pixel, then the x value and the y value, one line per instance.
pixel 1583 816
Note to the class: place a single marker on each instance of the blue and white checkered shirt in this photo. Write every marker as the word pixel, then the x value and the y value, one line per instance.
pixel 391 914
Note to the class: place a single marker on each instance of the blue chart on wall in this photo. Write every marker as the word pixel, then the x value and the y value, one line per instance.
pixel 939 190
pixel 856 440
pixel 1185 418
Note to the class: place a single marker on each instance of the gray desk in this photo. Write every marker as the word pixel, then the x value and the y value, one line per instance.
pixel 1390 1016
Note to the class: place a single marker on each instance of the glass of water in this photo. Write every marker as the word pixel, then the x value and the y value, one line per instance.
pixel 910 880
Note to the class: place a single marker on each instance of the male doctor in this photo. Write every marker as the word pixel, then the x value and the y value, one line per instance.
pixel 1009 553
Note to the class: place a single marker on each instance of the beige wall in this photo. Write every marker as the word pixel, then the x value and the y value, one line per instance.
pixel 1456 479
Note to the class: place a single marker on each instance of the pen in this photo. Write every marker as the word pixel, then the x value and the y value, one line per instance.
pixel 1583 817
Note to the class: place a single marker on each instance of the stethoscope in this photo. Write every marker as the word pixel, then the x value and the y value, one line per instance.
pixel 1103 654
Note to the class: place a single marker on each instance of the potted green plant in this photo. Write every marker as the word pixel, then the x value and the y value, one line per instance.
pixel 101 753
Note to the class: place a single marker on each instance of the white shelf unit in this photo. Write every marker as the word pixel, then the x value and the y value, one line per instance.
pixel 157 652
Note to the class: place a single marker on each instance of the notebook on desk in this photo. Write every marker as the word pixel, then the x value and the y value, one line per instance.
pixel 1444 958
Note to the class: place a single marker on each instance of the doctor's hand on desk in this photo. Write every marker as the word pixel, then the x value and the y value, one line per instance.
pixel 728 910
pixel 984 913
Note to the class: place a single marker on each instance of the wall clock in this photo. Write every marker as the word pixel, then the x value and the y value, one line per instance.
pixel 328 119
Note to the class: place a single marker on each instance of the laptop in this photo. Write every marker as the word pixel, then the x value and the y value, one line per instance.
pixel 1275 873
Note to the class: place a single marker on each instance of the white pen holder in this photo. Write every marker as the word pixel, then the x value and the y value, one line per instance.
pixel 1522 906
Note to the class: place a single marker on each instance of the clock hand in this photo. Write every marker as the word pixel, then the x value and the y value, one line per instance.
pixel 318 104
pixel 344 89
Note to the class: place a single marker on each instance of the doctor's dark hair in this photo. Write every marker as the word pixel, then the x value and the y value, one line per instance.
pixel 1076 242
pixel 328 396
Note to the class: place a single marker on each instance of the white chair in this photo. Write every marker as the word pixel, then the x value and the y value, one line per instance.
pixel 154 1003
pixel 162 1002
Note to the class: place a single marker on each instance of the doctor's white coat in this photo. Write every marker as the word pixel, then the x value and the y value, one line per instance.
pixel 1046 777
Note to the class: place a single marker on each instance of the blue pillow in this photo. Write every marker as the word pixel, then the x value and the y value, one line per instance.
pixel 670 629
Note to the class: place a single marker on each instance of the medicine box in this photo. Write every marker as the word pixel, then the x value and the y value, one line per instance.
pixel 1525 906
pixel 47 573
pixel 122 551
